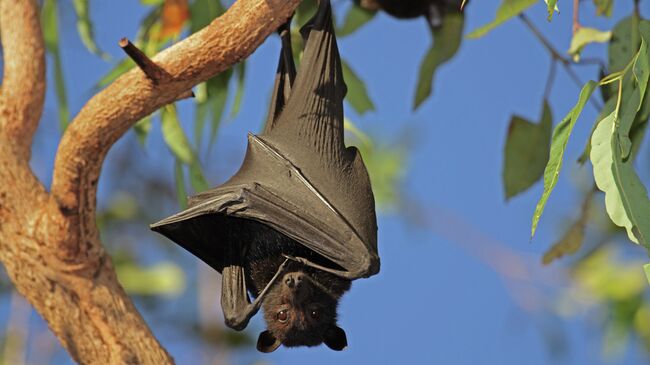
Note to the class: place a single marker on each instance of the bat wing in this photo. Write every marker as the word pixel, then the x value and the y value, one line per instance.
pixel 271 190
pixel 298 177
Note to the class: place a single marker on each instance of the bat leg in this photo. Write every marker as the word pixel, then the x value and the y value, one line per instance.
pixel 346 274
pixel 237 308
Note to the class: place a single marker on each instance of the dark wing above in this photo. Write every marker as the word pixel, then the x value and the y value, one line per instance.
pixel 297 177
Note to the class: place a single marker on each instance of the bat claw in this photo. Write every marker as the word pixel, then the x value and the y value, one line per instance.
pixel 292 258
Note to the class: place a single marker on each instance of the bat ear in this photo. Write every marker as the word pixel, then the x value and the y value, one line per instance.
pixel 266 342
pixel 335 338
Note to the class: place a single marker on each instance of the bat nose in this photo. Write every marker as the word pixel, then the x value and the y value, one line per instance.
pixel 293 280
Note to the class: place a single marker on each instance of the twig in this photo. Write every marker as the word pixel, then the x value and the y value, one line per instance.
pixel 556 56
pixel 576 15
pixel 154 72
pixel 550 79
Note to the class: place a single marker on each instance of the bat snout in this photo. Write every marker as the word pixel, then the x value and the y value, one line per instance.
pixel 294 280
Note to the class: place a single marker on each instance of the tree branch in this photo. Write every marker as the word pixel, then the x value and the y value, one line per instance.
pixel 49 243
pixel 23 84
pixel 108 115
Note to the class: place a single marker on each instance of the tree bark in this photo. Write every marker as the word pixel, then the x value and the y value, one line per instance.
pixel 49 243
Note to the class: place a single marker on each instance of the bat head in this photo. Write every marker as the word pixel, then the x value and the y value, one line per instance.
pixel 300 311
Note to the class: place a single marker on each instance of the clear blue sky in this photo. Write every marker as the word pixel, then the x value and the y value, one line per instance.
pixel 437 299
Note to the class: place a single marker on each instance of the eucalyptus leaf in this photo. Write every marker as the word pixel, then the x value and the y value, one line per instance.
pixel 49 15
pixel 120 68
pixel 85 27
pixel 240 70
pixel 174 135
pixel 161 279
pixel 559 142
pixel 551 6
pixel 569 244
pixel 197 177
pixel 607 109
pixel 203 12
pixel 507 10
pixel 179 182
pixel 626 198
pixel 446 42
pixel 304 12
pixel 584 36
pixel 355 18
pixel 142 40
pixel 603 7
pixel 624 43
pixel 213 106
pixel 142 129
pixel 357 94
pixel 526 152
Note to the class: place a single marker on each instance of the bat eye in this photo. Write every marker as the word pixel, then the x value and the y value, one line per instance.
pixel 283 315
pixel 315 314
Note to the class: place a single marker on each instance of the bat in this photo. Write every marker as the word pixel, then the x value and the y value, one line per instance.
pixel 432 10
pixel 296 224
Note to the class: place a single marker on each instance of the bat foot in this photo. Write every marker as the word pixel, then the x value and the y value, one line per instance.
pixel 296 259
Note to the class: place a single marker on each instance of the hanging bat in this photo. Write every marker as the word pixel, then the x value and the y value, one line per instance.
pixel 432 10
pixel 296 224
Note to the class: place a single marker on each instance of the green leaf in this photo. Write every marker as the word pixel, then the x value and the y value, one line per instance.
pixel 85 28
pixel 646 269
pixel 551 6
pixel 526 152
pixel 603 7
pixel 635 197
pixel 569 244
pixel 160 279
pixel 142 129
pixel 197 178
pixel 51 38
pixel 507 10
pixel 212 103
pixel 203 12
pixel 240 70
pixel 585 36
pixel 152 2
pixel 354 19
pixel 357 94
pixel 304 12
pixel 446 41
pixel 607 109
pixel 62 99
pixel 50 26
pixel 559 141
pixel 122 67
pixel 385 164
pixel 179 182
pixel 174 135
pixel 624 43
pixel 142 40
pixel 626 198
pixel 641 67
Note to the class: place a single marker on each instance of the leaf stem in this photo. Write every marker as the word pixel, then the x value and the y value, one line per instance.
pixel 576 15
pixel 557 56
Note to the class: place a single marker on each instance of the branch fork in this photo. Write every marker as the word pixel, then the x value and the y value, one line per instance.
pixel 49 242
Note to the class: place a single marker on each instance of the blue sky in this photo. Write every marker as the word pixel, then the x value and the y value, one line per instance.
pixel 438 298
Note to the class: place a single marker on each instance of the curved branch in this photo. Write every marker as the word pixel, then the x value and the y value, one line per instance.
pixel 49 243
pixel 109 114
pixel 23 84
